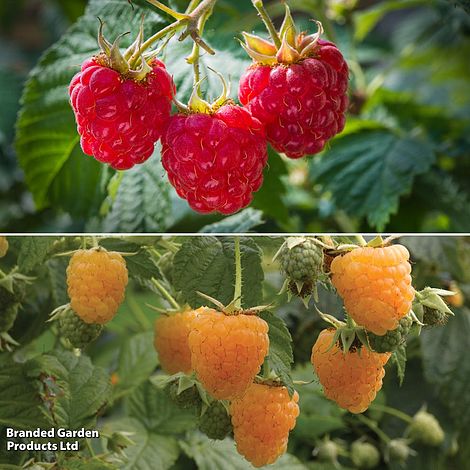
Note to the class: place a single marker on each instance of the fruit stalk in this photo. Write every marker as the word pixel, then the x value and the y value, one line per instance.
pixel 373 425
pixel 258 4
pixel 393 412
pixel 167 296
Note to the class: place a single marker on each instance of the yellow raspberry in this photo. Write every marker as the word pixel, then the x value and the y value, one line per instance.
pixel 456 300
pixel 96 281
pixel 227 351
pixel 171 340
pixel 3 246
pixel 353 379
pixel 375 284
pixel 262 419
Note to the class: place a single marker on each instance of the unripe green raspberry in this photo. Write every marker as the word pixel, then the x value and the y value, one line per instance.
pixel 215 423
pixel 426 429
pixel 8 316
pixel 327 451
pixel 391 340
pixel 364 455
pixel 303 262
pixel 434 317
pixel 399 451
pixel 188 398
pixel 79 333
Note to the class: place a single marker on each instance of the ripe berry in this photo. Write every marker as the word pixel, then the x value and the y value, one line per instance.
pixel 227 351
pixel 425 428
pixel 96 281
pixel 171 340
pixel 458 299
pixel 215 422
pixel 375 284
pixel 3 246
pixel 119 118
pixel 364 455
pixel 391 340
pixel 297 90
pixel 262 419
pixel 351 379
pixel 215 161
pixel 79 333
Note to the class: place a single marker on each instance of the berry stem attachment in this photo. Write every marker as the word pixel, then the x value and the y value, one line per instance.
pixel 237 295
pixel 258 4
pixel 166 295
pixel 94 241
pixel 393 412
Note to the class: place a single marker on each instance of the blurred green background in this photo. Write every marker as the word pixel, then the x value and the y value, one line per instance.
pixel 402 163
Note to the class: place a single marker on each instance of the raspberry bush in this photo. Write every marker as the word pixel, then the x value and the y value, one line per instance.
pixel 213 365
pixel 327 122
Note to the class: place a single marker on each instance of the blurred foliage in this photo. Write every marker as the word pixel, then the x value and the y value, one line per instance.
pixel 407 134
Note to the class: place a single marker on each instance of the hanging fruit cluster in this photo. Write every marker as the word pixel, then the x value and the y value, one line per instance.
pixel 294 96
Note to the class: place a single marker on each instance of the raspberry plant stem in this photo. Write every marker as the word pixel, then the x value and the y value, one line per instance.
pixel 374 426
pixel 166 295
pixel 258 4
pixel 393 412
pixel 168 10
pixel 237 294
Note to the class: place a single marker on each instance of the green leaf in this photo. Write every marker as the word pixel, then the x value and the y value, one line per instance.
pixel 74 388
pixel 154 408
pixel 222 455
pixel 368 171
pixel 446 365
pixel 242 222
pixel 207 265
pixel 33 252
pixel 142 202
pixel 46 131
pixel 280 356
pixel 57 269
pixel 365 20
pixel 77 189
pixel 20 403
pixel 151 450
pixel 137 360
pixel 270 196
pixel 399 359
pixel 94 463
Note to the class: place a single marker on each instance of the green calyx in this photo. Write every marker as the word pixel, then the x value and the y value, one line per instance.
pixel 132 63
pixel 287 47
pixel 197 104
pixel 430 308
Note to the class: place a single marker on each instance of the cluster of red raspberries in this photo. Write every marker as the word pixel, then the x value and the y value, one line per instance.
pixel 294 96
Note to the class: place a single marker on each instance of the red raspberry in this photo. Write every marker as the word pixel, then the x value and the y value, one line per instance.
pixel 302 104
pixel 215 161
pixel 119 119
